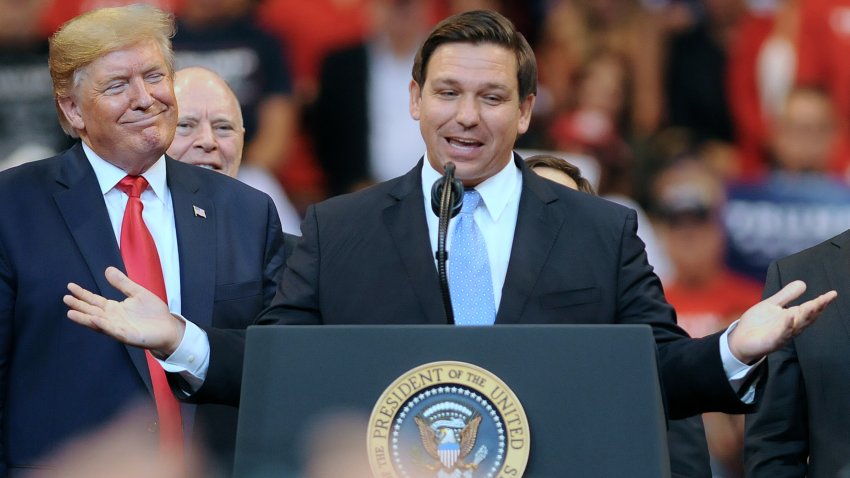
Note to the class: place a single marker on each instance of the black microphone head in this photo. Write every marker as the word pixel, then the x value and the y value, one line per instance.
pixel 456 191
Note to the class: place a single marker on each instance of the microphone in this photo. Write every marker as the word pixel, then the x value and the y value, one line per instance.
pixel 454 200
pixel 446 202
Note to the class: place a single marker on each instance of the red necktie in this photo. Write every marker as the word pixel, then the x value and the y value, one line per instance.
pixel 142 261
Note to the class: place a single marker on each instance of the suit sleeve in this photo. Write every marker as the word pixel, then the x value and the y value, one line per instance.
pixel 275 255
pixel 776 443
pixel 289 242
pixel 7 305
pixel 692 374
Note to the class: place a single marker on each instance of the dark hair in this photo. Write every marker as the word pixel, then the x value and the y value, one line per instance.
pixel 571 170
pixel 481 26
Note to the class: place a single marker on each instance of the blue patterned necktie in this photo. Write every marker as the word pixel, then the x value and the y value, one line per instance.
pixel 469 269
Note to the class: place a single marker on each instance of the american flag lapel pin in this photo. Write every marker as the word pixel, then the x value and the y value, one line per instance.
pixel 199 212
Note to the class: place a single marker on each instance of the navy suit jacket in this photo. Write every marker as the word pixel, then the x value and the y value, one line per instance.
pixel 57 378
pixel 366 258
pixel 802 425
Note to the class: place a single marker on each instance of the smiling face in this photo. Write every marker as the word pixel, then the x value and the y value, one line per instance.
pixel 123 106
pixel 469 110
pixel 209 128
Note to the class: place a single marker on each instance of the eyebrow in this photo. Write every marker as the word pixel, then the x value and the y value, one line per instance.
pixel 453 82
pixel 122 73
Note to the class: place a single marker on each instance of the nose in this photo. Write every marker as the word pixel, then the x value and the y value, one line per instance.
pixel 141 95
pixel 467 113
pixel 205 139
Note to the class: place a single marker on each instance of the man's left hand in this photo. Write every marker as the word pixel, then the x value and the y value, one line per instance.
pixel 768 325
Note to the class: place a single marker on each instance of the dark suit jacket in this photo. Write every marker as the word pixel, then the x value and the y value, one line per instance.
pixel 58 379
pixel 803 422
pixel 365 258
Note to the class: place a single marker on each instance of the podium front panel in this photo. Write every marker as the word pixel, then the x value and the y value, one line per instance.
pixel 590 392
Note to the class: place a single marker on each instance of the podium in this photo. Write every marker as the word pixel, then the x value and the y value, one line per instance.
pixel 590 393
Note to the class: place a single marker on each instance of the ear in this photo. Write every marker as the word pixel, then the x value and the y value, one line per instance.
pixel 72 113
pixel 525 108
pixel 415 99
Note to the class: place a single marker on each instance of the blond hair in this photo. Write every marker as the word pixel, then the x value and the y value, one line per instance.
pixel 84 39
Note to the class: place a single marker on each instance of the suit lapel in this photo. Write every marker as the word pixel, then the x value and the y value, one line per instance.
pixel 837 266
pixel 195 223
pixel 84 211
pixel 536 231
pixel 196 241
pixel 405 220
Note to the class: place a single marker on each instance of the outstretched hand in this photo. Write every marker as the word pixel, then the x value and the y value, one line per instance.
pixel 142 319
pixel 768 325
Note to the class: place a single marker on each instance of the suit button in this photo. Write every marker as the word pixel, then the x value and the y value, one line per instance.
pixel 153 427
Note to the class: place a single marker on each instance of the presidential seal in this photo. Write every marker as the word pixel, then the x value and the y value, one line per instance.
pixel 448 420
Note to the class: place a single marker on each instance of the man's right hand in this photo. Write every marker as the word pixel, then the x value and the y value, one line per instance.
pixel 141 320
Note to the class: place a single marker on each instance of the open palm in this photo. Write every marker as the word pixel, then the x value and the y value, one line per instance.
pixel 142 319
pixel 768 325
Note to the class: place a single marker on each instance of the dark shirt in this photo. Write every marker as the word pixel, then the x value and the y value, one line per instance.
pixel 248 58
pixel 696 85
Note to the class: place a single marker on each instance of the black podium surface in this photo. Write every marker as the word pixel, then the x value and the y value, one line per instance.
pixel 590 392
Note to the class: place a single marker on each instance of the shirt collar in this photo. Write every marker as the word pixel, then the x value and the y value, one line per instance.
pixel 108 175
pixel 495 191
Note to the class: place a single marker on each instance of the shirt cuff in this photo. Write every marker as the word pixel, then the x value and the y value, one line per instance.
pixel 191 360
pixel 738 372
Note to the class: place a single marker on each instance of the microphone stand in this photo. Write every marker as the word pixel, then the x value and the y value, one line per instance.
pixel 446 203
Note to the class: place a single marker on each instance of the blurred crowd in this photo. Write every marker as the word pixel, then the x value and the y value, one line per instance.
pixel 725 121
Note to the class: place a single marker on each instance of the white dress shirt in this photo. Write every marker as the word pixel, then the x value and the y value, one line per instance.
pixel 496 220
pixel 158 215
